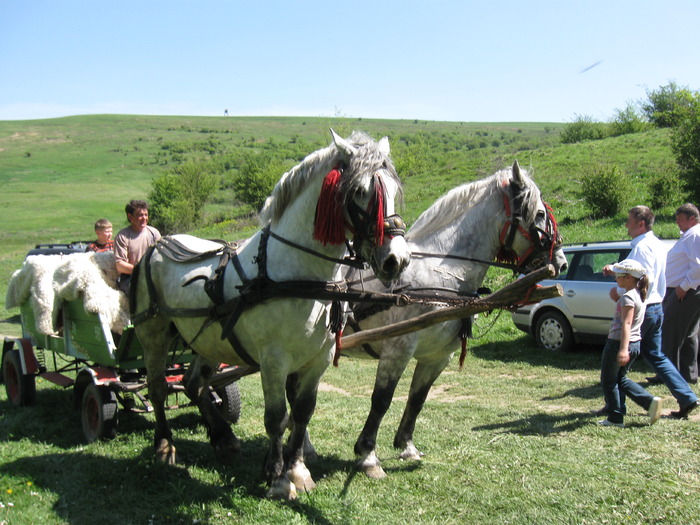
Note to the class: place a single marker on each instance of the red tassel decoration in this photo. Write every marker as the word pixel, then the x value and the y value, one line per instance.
pixel 379 199
pixel 338 347
pixel 329 224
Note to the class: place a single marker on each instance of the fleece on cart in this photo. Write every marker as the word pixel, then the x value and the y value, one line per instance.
pixel 47 280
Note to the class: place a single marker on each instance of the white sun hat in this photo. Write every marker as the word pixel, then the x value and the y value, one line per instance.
pixel 629 266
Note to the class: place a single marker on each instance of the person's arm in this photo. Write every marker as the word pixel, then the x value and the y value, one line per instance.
pixel 121 254
pixel 626 316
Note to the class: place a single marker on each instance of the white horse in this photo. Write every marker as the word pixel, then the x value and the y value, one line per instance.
pixel 500 217
pixel 258 305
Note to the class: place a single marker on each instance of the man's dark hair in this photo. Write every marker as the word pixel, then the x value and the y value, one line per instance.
pixel 643 213
pixel 689 210
pixel 135 205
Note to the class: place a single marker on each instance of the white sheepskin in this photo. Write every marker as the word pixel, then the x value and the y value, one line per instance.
pixel 46 280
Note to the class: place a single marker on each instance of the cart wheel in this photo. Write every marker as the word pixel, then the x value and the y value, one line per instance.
pixel 20 388
pixel 99 413
pixel 230 408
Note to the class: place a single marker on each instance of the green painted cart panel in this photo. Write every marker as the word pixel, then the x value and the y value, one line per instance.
pixel 86 336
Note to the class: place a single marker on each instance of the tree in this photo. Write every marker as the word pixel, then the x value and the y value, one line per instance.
pixel 257 178
pixel 685 141
pixel 666 105
pixel 178 197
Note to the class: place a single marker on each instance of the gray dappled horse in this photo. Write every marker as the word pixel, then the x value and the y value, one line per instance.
pixel 345 189
pixel 500 217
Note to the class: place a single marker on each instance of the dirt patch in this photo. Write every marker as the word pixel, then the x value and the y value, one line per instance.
pixel 442 394
pixel 326 387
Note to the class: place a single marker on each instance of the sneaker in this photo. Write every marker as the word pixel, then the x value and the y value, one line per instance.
pixel 606 423
pixel 655 410
pixel 601 412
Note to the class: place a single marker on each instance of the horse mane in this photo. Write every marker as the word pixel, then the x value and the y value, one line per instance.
pixel 367 160
pixel 453 205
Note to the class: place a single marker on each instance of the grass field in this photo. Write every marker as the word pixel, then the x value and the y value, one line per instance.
pixel 509 439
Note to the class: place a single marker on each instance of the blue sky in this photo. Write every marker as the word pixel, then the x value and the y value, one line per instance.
pixel 457 60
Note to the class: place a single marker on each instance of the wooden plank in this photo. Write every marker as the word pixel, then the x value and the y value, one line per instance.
pixel 507 297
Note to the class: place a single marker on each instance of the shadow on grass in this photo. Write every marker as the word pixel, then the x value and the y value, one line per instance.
pixel 139 490
pixel 541 424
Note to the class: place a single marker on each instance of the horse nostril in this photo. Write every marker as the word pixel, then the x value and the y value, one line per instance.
pixel 391 265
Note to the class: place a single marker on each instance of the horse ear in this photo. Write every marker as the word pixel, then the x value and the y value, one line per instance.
pixel 384 147
pixel 343 145
pixel 517 175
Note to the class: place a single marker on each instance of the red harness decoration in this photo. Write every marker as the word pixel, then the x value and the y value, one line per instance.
pixel 379 202
pixel 329 224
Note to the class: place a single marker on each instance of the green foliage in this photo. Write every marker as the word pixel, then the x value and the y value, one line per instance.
pixel 685 140
pixel 666 189
pixel 666 105
pixel 626 121
pixel 178 197
pixel 605 191
pixel 583 127
pixel 257 178
pixel 410 156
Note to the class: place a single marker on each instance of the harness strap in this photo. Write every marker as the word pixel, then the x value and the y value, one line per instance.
pixel 348 261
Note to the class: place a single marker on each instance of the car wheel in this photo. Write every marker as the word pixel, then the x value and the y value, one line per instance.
pixel 553 332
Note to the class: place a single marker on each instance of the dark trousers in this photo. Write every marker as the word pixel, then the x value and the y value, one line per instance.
pixel 679 334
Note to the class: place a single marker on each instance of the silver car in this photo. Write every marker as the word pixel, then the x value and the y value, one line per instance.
pixel 583 314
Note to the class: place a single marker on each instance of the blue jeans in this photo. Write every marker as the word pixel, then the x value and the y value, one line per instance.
pixel 616 384
pixel 662 365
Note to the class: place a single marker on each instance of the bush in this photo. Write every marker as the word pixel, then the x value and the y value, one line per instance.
pixel 257 178
pixel 583 128
pixel 177 198
pixel 605 191
pixel 626 121
pixel 666 189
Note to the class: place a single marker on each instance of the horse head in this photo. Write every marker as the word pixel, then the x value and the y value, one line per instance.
pixel 530 237
pixel 358 197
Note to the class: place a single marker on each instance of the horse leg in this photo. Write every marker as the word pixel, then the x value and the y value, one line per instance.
pixel 423 378
pixel 154 337
pixel 226 444
pixel 302 410
pixel 310 453
pixel 275 424
pixel 388 374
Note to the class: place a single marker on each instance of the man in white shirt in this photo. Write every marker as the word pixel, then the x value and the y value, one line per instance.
pixel 682 301
pixel 650 252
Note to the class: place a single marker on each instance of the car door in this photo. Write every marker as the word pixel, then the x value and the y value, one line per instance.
pixel 586 291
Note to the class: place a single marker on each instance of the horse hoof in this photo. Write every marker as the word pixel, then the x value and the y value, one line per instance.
pixel 165 452
pixel 301 478
pixel 282 489
pixel 371 466
pixel 373 471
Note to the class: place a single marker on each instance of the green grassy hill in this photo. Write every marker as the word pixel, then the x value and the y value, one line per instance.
pixel 60 175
